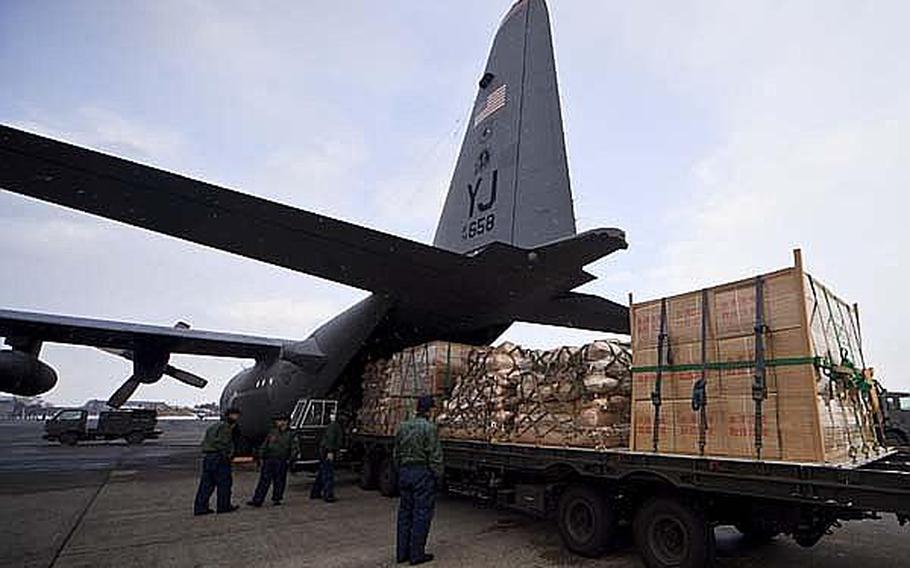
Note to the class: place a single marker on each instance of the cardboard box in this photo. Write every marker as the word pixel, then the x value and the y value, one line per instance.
pixel 803 418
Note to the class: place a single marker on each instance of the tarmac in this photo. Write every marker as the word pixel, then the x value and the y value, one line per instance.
pixel 109 504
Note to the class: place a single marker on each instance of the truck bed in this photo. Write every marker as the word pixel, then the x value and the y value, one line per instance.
pixel 880 485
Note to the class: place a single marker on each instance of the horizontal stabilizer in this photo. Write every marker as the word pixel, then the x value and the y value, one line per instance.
pixel 580 311
pixel 585 248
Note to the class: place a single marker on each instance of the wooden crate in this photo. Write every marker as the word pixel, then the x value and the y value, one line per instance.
pixel 806 416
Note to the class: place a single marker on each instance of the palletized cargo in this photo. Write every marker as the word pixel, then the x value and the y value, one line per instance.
pixel 779 350
pixel 569 397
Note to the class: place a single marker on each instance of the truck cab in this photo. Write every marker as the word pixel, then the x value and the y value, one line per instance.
pixel 310 418
pixel 68 426
pixel 897 418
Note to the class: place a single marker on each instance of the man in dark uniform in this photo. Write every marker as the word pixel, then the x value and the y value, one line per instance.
pixel 218 448
pixel 331 441
pixel 274 455
pixel 418 456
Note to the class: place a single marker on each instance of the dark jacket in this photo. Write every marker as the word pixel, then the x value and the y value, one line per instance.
pixel 219 439
pixel 277 445
pixel 332 439
pixel 417 443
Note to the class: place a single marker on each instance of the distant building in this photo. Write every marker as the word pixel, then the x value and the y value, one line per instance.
pixel 149 405
pixel 95 406
pixel 8 408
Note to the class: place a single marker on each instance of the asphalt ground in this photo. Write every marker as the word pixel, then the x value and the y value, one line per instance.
pixel 109 504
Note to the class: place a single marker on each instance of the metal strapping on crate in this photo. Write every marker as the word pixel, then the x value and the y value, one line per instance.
pixel 700 389
pixel 824 332
pixel 759 384
pixel 663 350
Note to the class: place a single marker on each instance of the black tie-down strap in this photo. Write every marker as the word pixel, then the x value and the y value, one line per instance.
pixel 700 388
pixel 759 383
pixel 663 359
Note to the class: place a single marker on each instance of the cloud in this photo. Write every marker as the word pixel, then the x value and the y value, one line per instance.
pixel 103 129
pixel 278 315
pixel 811 116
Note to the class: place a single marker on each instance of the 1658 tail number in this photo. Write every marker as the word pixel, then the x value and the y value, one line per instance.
pixel 478 227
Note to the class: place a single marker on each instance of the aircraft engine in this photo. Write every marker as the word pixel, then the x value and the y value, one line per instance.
pixel 23 374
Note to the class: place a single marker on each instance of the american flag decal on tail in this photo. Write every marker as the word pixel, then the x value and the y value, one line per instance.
pixel 495 101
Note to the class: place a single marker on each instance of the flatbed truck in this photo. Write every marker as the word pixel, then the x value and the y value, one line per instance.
pixel 672 502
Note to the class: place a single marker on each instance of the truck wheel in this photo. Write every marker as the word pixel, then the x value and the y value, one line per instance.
pixel 368 473
pixel 134 438
pixel 671 534
pixel 388 478
pixel 69 439
pixel 586 521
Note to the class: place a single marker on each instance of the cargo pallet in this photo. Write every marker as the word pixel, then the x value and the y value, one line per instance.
pixel 672 501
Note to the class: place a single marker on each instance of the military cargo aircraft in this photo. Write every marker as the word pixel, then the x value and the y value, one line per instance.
pixel 505 249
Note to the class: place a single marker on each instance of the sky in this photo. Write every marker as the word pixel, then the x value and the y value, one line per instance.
pixel 718 135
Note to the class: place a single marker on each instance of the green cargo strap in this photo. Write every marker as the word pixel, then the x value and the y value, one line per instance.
pixel 734 365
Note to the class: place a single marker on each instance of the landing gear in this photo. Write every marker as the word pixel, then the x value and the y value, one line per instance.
pixel 670 533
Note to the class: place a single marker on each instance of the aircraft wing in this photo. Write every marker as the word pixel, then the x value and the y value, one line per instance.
pixel 491 280
pixel 221 218
pixel 20 328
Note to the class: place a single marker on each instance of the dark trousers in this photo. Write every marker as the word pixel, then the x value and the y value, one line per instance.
pixel 216 473
pixel 324 486
pixel 273 472
pixel 417 486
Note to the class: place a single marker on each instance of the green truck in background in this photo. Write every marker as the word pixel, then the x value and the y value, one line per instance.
pixel 71 426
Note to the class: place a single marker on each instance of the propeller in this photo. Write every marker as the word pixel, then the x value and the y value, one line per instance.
pixel 150 363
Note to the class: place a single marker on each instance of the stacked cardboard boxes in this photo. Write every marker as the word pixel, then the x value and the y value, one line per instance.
pixel 572 397
pixel 813 407
pixel 576 397
pixel 391 386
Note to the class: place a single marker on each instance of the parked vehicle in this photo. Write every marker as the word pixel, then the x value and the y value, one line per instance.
pixel 897 418
pixel 309 420
pixel 70 426
pixel 672 501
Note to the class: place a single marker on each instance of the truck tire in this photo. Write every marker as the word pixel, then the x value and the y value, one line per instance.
pixel 388 478
pixel 69 439
pixel 669 533
pixel 586 521
pixel 135 438
pixel 368 473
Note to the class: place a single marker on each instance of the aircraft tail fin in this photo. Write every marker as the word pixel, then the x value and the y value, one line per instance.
pixel 511 181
